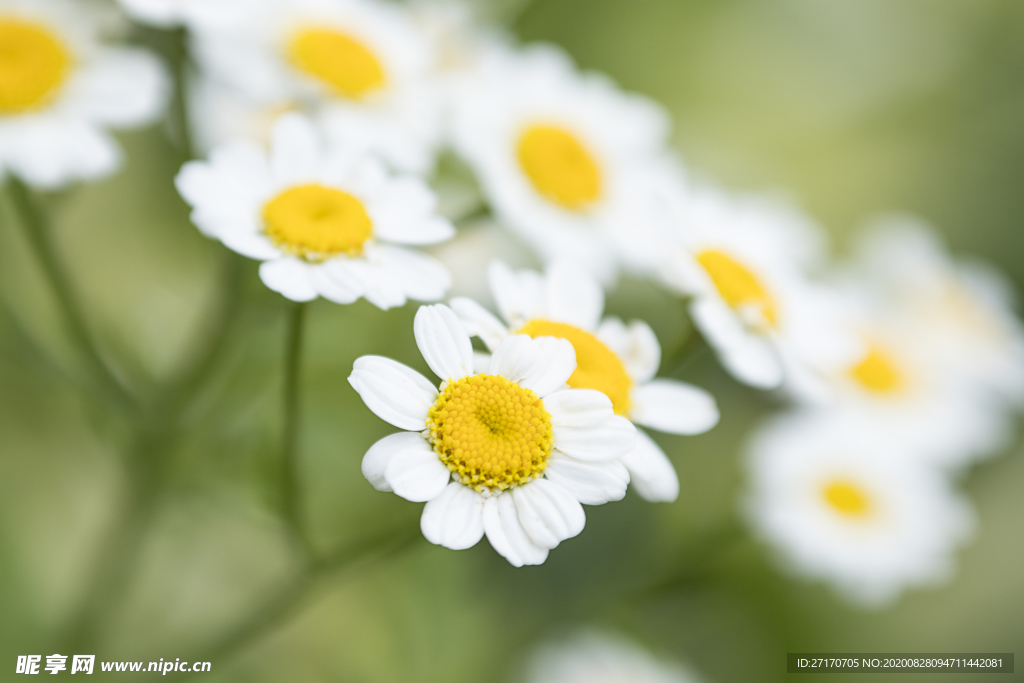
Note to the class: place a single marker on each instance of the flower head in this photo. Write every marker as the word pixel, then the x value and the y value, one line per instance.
pixel 844 503
pixel 618 360
pixel 509 452
pixel 594 657
pixel 358 66
pixel 557 152
pixel 61 88
pixel 323 221
pixel 744 263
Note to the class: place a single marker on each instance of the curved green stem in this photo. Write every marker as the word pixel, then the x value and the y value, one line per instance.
pixel 290 403
pixel 689 349
pixel 179 58
pixel 37 230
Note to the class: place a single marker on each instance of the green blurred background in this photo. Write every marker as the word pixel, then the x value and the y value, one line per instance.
pixel 851 106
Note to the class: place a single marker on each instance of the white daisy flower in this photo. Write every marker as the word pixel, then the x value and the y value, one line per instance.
pixel 557 152
pixel 744 262
pixel 61 89
pixel 322 221
pixel 846 504
pixel 510 452
pixel 967 309
pixel 592 657
pixel 359 66
pixel 619 360
pixel 901 383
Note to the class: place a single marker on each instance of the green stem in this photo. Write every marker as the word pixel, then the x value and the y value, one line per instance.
pixel 37 230
pixel 179 58
pixel 290 401
pixel 689 349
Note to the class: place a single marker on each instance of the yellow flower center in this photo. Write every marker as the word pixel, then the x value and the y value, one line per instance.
pixel 344 63
pixel 490 432
pixel 877 372
pixel 33 64
pixel 559 166
pixel 597 366
pixel 847 498
pixel 317 222
pixel 740 288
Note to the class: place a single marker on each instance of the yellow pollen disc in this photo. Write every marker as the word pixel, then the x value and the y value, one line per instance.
pixel 597 366
pixel 877 372
pixel 317 222
pixel 737 284
pixel 33 64
pixel 847 498
pixel 344 63
pixel 559 166
pixel 491 432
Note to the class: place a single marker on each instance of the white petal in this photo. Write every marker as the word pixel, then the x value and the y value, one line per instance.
pixel 519 295
pixel 419 276
pixel 379 455
pixel 549 513
pixel 607 439
pixel 417 474
pixel 636 345
pixel 651 472
pixel 288 277
pixel 294 149
pixel 479 322
pixel 674 407
pixel 506 534
pixel 591 483
pixel 394 392
pixel 118 87
pixel 443 342
pixel 543 364
pixel 578 408
pixel 755 363
pixel 455 518
pixel 573 296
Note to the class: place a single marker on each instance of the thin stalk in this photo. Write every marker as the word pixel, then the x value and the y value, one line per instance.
pixel 685 353
pixel 179 57
pixel 37 230
pixel 290 403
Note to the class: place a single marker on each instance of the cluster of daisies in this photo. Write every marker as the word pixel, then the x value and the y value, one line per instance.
pixel 322 123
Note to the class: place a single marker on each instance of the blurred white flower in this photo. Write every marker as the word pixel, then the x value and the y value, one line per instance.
pixel 523 449
pixel 899 384
pixel 219 114
pixel 618 360
pixel 61 89
pixel 745 263
pixel 558 152
pixel 966 311
pixel 359 66
pixel 845 503
pixel 172 13
pixel 319 217
pixel 591 657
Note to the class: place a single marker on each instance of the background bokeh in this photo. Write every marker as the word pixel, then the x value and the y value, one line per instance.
pixel 853 107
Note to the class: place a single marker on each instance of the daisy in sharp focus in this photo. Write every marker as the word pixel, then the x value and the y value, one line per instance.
pixel 557 152
pixel 358 66
pixel 61 88
pixel 593 657
pixel 618 360
pixel 968 309
pixel 509 451
pixel 744 263
pixel 323 221
pixel 846 504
